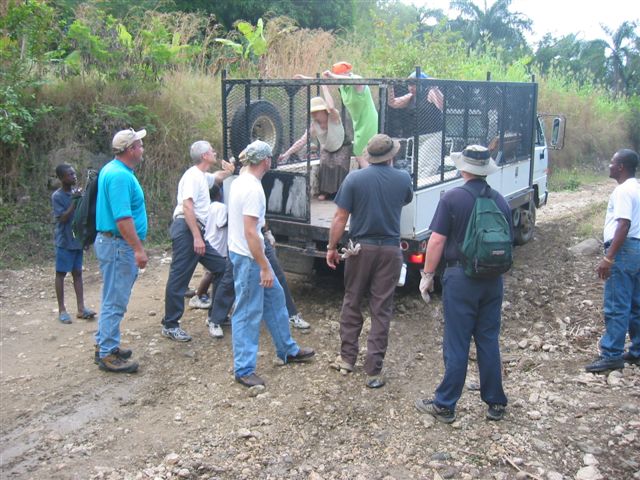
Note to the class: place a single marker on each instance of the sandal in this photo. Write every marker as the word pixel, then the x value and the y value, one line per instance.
pixel 341 366
pixel 86 314
pixel 64 317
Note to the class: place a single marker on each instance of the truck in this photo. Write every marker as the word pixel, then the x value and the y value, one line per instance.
pixel 499 115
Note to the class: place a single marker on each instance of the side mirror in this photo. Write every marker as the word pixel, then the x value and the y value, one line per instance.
pixel 557 133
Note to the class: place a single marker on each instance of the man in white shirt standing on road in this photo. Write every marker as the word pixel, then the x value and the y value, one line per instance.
pixel 259 295
pixel 187 235
pixel 620 267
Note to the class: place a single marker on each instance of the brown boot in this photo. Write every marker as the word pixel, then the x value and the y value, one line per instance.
pixel 123 353
pixel 114 363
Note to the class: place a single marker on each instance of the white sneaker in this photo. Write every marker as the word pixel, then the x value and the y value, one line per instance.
pixel 297 322
pixel 215 331
pixel 203 302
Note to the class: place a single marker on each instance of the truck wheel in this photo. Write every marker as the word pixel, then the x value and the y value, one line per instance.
pixel 525 221
pixel 264 123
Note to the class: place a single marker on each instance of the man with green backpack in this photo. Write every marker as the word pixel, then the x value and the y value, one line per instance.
pixel 472 230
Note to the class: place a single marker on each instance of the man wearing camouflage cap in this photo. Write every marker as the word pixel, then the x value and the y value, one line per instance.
pixel 259 295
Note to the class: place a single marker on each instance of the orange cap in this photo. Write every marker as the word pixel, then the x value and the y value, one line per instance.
pixel 341 68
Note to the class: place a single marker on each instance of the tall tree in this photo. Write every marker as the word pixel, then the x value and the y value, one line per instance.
pixel 620 46
pixel 585 60
pixel 494 24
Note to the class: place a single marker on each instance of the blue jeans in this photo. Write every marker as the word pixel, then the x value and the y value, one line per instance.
pixel 225 294
pixel 183 262
pixel 253 304
pixel 119 272
pixel 471 309
pixel 622 303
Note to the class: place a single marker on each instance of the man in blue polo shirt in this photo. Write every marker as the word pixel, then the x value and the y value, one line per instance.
pixel 373 197
pixel 121 222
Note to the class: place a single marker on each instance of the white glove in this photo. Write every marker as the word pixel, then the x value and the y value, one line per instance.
pixel 350 250
pixel 426 285
pixel 270 238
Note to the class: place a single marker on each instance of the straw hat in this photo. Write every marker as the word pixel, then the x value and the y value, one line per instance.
pixel 317 104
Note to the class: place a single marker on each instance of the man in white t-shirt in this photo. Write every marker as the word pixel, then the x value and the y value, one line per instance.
pixel 187 235
pixel 259 295
pixel 620 267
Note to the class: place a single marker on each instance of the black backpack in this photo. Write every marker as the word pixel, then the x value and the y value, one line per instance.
pixel 83 224
pixel 486 251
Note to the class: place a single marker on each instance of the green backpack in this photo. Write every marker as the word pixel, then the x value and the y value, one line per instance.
pixel 487 246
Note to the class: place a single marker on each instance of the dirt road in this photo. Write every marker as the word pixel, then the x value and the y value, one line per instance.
pixel 183 416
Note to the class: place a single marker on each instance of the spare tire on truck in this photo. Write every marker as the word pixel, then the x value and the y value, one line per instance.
pixel 260 121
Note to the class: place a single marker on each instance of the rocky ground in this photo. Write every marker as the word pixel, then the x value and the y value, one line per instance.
pixel 183 416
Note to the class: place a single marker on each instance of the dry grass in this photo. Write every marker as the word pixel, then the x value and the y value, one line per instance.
pixel 593 133
pixel 298 50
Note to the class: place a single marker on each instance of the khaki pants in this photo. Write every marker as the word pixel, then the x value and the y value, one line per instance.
pixel 375 270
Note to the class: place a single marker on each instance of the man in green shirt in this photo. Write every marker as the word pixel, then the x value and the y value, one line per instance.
pixel 359 103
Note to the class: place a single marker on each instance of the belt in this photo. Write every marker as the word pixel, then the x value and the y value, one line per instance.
pixel 378 241
pixel 608 244
pixel 110 235
pixel 200 224
pixel 454 263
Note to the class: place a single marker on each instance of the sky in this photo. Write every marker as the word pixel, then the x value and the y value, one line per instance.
pixel 562 17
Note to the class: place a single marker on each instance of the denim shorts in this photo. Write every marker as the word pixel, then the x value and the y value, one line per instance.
pixel 68 260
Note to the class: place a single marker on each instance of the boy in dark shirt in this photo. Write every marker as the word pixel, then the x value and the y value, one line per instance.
pixel 68 250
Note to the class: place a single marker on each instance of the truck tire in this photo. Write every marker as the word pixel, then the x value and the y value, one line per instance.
pixel 264 123
pixel 525 224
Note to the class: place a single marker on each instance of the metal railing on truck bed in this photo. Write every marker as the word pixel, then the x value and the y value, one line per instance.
pixel 499 115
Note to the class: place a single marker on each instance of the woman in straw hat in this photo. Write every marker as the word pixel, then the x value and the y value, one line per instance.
pixel 335 150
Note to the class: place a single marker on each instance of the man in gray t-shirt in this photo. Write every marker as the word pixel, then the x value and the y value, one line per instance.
pixel 373 198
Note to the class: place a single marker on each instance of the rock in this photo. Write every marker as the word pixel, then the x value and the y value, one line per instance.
pixel 554 476
pixel 256 390
pixel 587 247
pixel 440 456
pixel 152 313
pixel 184 473
pixel 534 415
pixel 314 476
pixel 589 448
pixel 522 475
pixel 244 433
pixel 523 343
pixel 614 378
pixel 589 459
pixel 172 459
pixel 630 408
pixel 589 473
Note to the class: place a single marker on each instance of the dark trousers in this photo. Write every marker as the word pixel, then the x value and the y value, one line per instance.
pixel 183 262
pixel 225 293
pixel 375 270
pixel 471 308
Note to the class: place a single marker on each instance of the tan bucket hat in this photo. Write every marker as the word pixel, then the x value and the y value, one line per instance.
pixel 381 148
pixel 476 160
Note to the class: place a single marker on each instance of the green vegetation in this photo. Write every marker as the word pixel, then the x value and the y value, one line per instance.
pixel 592 222
pixel 73 72
pixel 572 179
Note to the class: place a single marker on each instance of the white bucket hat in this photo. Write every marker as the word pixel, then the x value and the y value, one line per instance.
pixel 476 160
